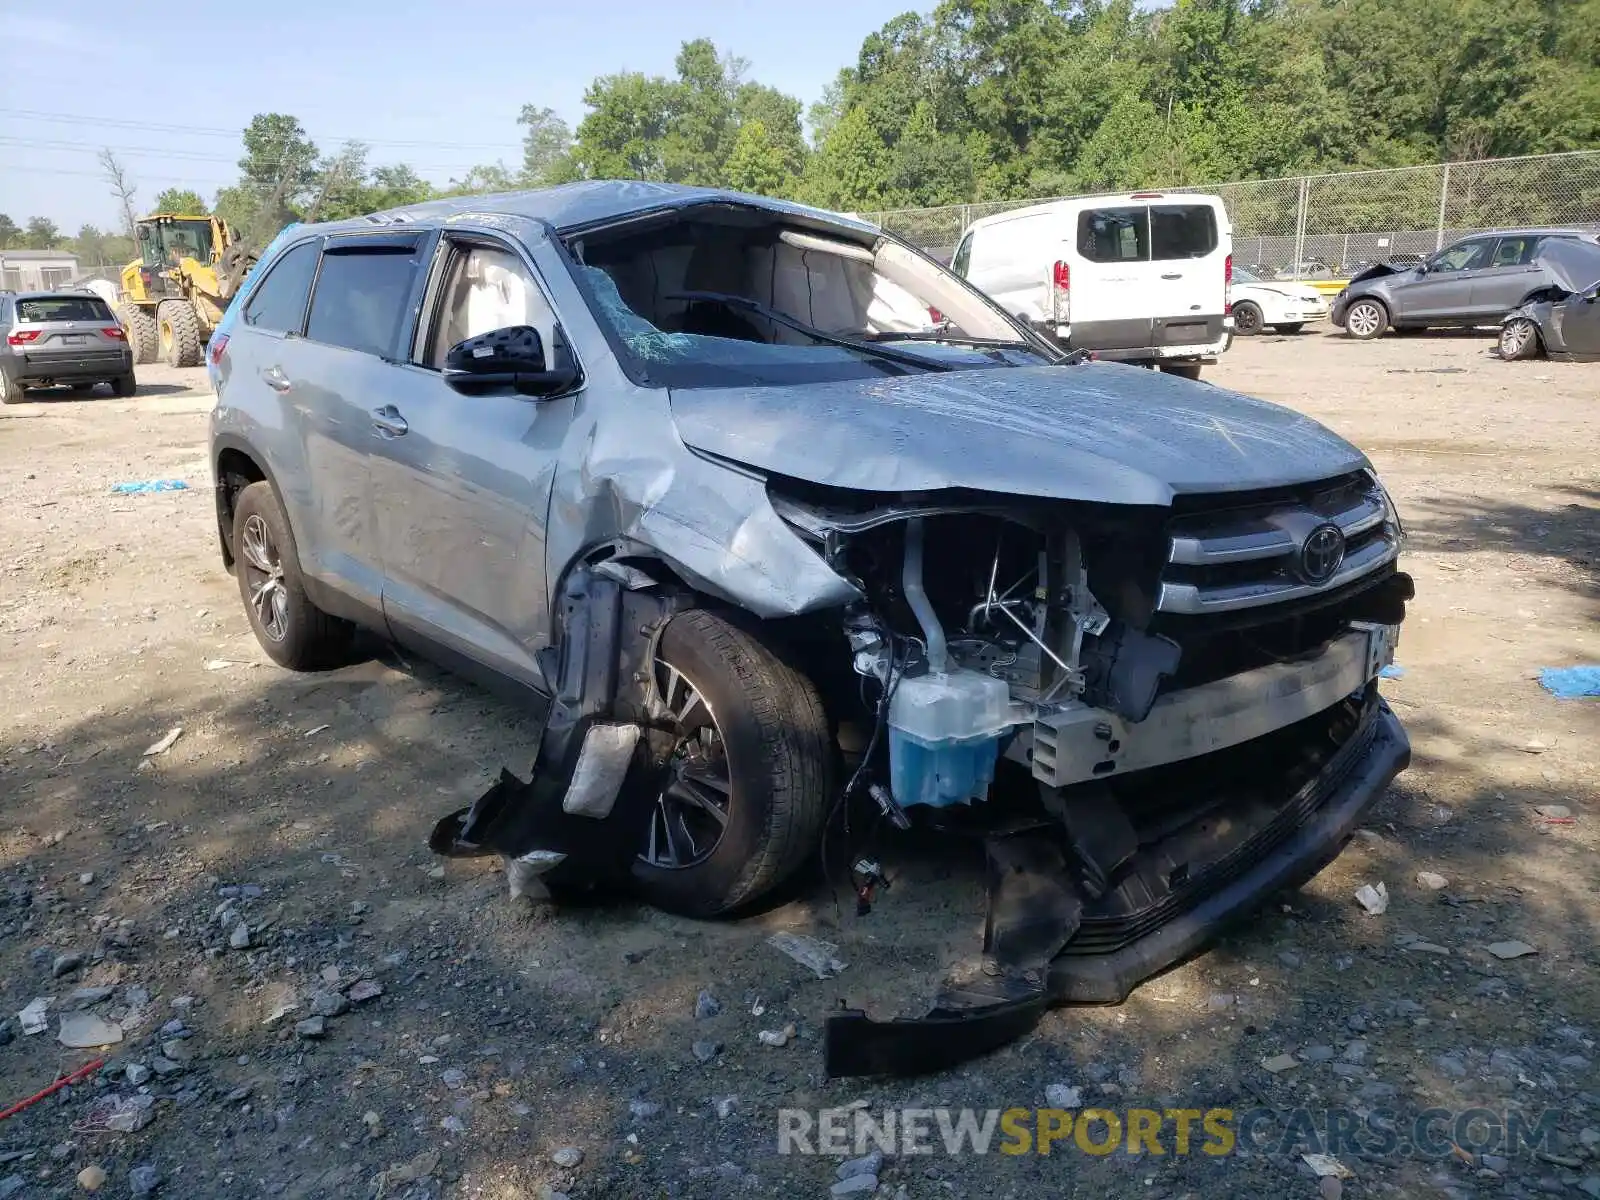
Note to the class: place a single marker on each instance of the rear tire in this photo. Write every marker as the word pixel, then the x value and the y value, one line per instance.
pixel 180 333
pixel 1519 339
pixel 1366 319
pixel 1247 318
pixel 124 385
pixel 293 631
pixel 143 334
pixel 770 743
pixel 1289 330
pixel 11 392
pixel 1181 370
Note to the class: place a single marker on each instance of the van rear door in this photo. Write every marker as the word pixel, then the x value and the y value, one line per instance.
pixel 1149 272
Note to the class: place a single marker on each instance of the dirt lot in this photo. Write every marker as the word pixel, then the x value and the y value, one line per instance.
pixel 508 1031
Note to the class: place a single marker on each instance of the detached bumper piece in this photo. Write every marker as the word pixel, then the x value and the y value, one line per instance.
pixel 579 821
pixel 1119 886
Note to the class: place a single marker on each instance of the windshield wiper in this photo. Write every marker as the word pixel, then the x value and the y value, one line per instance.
pixel 827 339
pixel 938 334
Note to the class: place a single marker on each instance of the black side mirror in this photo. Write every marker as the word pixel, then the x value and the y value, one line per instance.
pixel 512 357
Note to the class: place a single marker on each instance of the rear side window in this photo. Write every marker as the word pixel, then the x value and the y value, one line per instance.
pixel 1182 231
pixel 362 299
pixel 279 301
pixel 63 308
pixel 1113 235
pixel 1515 251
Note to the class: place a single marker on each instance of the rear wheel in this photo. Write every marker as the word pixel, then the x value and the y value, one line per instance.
pixel 749 781
pixel 124 385
pixel 1182 370
pixel 1366 319
pixel 179 332
pixel 294 632
pixel 1247 318
pixel 10 390
pixel 1519 339
pixel 143 335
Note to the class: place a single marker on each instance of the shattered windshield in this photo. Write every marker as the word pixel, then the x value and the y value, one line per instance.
pixel 710 300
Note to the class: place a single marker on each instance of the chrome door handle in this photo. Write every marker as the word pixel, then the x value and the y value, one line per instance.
pixel 275 379
pixel 388 421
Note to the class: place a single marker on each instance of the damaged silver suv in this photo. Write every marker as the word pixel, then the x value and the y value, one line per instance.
pixel 805 541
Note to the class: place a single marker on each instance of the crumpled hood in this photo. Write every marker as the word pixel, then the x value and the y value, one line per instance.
pixel 1379 270
pixel 1096 432
pixel 1573 264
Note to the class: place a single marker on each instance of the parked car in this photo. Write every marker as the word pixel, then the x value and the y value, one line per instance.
pixel 1475 281
pixel 1312 268
pixel 1563 320
pixel 705 473
pixel 61 337
pixel 1138 278
pixel 1282 304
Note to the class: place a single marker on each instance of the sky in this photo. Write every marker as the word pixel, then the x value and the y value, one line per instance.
pixel 436 85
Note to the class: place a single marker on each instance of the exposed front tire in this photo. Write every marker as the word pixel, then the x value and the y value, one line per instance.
pixel 293 631
pixel 1182 370
pixel 143 335
pixel 749 781
pixel 179 332
pixel 1519 339
pixel 1366 319
pixel 1247 318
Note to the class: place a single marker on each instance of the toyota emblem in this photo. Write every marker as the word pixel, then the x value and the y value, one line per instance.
pixel 1321 554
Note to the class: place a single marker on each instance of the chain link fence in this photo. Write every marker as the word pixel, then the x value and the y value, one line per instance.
pixel 1327 225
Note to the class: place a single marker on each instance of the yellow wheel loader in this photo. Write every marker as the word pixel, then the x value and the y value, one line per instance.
pixel 175 292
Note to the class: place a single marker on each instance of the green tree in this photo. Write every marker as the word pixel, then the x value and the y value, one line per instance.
pixel 850 170
pixel 396 186
pixel 180 201
pixel 621 137
pixel 280 166
pixel 546 147
pixel 9 232
pixel 42 234
pixel 757 163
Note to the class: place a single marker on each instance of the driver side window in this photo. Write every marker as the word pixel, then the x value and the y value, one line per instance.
pixel 1468 256
pixel 484 289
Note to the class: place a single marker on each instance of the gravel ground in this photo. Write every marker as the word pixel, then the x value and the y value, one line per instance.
pixel 315 1007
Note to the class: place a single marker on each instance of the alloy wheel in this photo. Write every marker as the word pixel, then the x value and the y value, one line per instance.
pixel 691 812
pixel 1514 338
pixel 263 565
pixel 1364 319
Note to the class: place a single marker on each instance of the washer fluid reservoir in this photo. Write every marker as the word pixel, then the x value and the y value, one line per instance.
pixel 944 736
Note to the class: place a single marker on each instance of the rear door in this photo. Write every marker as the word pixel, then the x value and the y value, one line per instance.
pixel 1190 244
pixel 1149 271
pixel 337 377
pixel 1509 276
pixel 71 334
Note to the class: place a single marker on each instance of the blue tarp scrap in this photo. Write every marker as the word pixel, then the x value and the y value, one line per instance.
pixel 1571 683
pixel 149 485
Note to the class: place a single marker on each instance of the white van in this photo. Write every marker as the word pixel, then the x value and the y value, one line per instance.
pixel 1140 278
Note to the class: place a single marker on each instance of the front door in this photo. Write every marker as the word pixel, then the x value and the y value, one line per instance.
pixel 1443 292
pixel 461 484
pixel 1507 280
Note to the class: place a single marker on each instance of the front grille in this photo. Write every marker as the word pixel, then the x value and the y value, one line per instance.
pixel 1255 552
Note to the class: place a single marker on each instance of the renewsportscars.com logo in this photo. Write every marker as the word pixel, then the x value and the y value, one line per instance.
pixel 1215 1132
